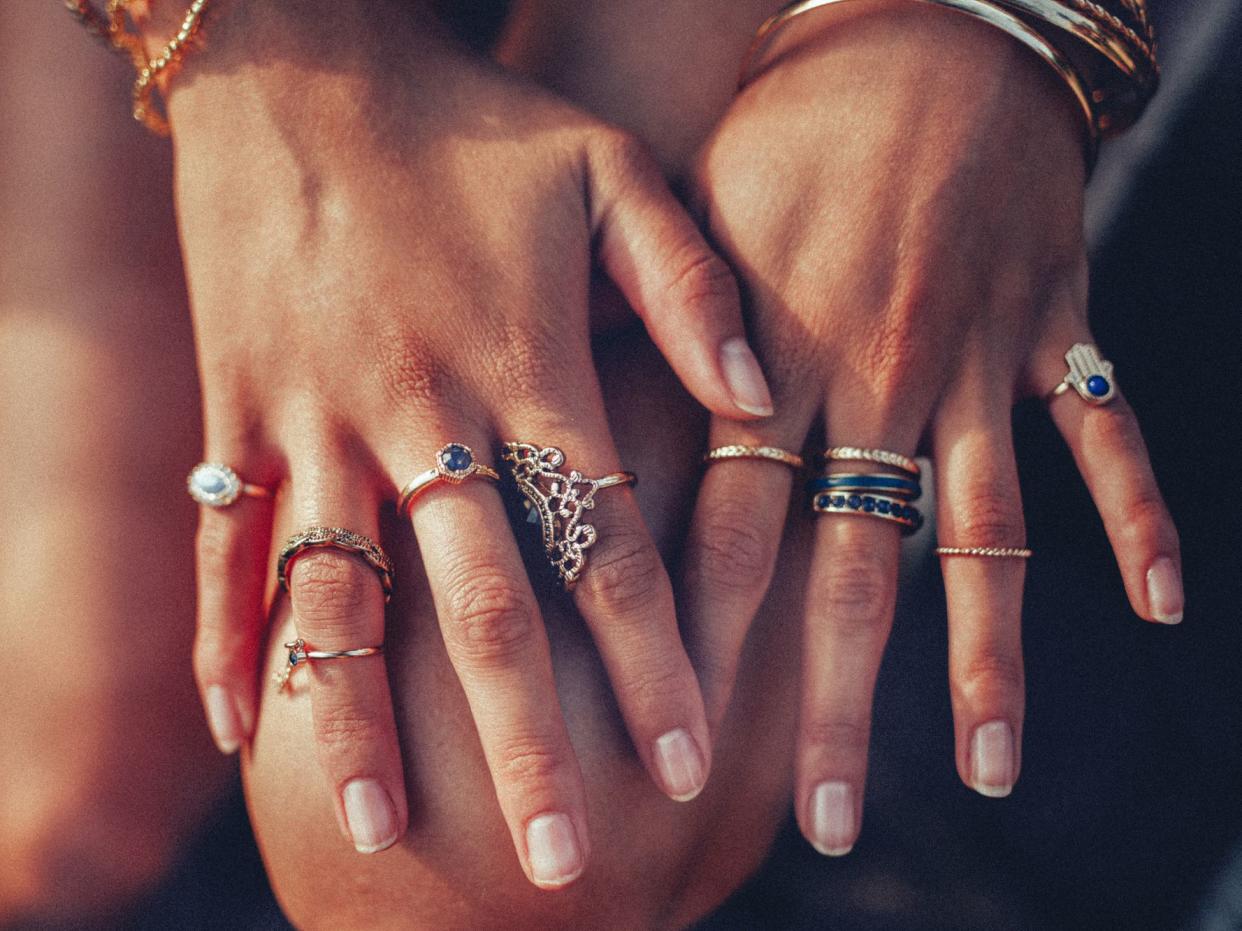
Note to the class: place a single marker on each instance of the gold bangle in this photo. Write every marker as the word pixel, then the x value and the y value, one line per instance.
pixel 980 9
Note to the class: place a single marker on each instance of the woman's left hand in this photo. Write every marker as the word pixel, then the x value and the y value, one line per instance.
pixel 902 196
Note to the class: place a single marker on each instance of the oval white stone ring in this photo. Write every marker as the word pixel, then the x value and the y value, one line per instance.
pixel 215 485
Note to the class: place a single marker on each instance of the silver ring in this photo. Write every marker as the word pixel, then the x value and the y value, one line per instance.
pixel 1090 374
pixel 215 485
pixel 298 654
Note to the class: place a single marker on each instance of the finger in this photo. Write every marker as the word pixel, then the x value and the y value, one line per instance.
pixel 497 643
pixel 731 548
pixel 1108 447
pixel 625 597
pixel 231 552
pixel 683 291
pixel 338 604
pixel 979 504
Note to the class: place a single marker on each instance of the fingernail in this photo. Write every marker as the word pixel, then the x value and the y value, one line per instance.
pixel 1164 591
pixel 680 764
pixel 832 818
pixel 745 378
pixel 552 849
pixel 991 759
pixel 222 718
pixel 370 814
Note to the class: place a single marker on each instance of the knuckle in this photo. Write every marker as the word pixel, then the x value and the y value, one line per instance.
pixel 223 549
pixel 836 736
pixel 625 573
pixel 527 761
pixel 729 552
pixel 700 280
pixel 621 154
pixel 409 371
pixel 989 677
pixel 491 618
pixel 856 596
pixel 332 591
pixel 1115 428
pixel 531 357
pixel 345 728
pixel 991 515
pixel 653 685
pixel 1148 524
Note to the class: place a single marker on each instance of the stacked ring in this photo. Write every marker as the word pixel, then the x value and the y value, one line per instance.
pixel 455 463
pixel 337 538
pixel 898 486
pixel 771 453
pixel 881 507
pixel 299 654
pixel 878 456
pixel 215 485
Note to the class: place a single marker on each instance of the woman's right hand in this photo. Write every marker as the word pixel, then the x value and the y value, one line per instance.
pixel 389 248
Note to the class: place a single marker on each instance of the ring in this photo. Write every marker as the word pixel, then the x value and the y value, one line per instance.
pixel 1002 552
pixel 879 456
pixel 897 486
pixel 340 539
pixel 454 464
pixel 1090 374
pixel 215 485
pixel 299 654
pixel 773 453
pixel 879 506
pixel 559 501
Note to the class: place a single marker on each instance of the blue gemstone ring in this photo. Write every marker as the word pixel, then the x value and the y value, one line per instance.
pixel 299 655
pixel 881 507
pixel 215 485
pixel 455 463
pixel 896 486
pixel 1090 374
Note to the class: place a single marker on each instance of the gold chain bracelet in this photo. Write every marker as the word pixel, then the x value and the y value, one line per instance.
pixel 109 25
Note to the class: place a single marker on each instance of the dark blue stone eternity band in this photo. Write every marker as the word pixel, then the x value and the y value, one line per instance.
pixel 880 507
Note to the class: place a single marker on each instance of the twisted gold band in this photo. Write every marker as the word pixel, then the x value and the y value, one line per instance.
pixel 337 538
pixel 999 552
pixel 772 453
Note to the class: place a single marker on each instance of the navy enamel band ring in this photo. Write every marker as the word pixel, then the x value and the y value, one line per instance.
pixel 1090 374
pixel 455 463
pixel 298 655
pixel 337 538
pixel 215 485
pixel 771 453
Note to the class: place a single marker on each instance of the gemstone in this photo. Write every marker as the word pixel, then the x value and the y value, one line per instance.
pixel 1097 386
pixel 854 502
pixel 882 507
pixel 868 504
pixel 838 501
pixel 214 485
pixel 293 659
pixel 822 501
pixel 456 458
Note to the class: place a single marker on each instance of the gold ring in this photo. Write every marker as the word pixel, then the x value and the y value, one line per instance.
pixel 999 552
pixel 772 453
pixel 299 654
pixel 455 463
pixel 215 485
pixel 878 456
pixel 560 502
pixel 341 539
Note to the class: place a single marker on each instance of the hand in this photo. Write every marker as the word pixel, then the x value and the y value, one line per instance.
pixel 389 247
pixel 902 196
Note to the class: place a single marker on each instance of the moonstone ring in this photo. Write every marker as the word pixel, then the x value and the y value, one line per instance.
pixel 215 485
pixel 455 463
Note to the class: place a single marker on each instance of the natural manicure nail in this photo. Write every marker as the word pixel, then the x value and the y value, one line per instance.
pixel 745 378
pixel 223 719
pixel 680 764
pixel 832 818
pixel 370 814
pixel 992 759
pixel 553 851
pixel 1165 597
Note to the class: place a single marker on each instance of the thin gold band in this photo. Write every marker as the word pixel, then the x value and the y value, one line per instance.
pixel 771 453
pixel 455 463
pixel 996 552
pixel 616 478
pixel 878 456
pixel 424 480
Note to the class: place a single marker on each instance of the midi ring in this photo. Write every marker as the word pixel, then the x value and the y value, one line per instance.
pixel 878 456
pixel 772 453
pixel 215 485
pixel 337 538
pixel 881 507
pixel 1090 374
pixel 299 654
pixel 559 502
pixel 996 552
pixel 455 463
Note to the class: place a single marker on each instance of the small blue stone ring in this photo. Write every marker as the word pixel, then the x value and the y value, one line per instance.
pixel 299 655
pixel 1090 374
pixel 455 463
